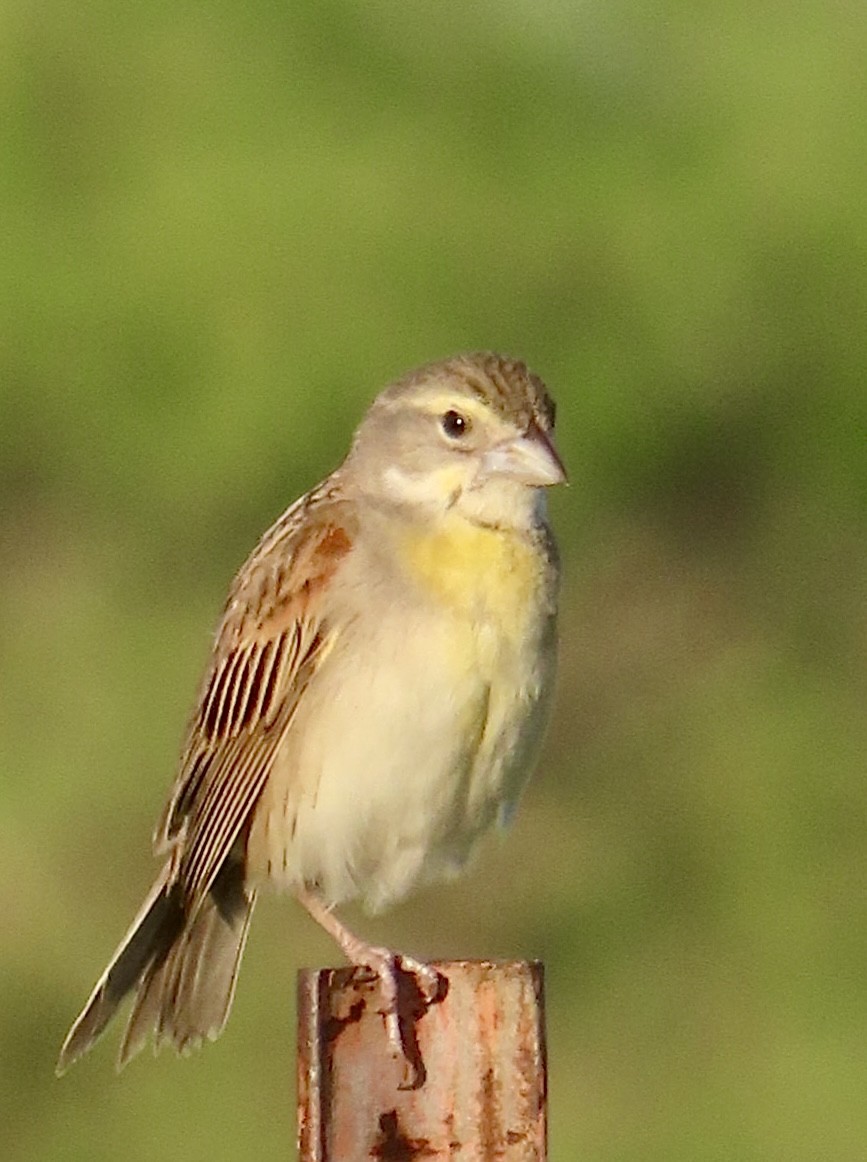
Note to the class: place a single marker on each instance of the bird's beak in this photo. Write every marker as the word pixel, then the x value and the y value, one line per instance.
pixel 530 459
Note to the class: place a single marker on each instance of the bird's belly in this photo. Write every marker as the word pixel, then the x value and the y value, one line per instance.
pixel 393 767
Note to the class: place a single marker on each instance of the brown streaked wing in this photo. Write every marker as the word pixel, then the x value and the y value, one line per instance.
pixel 232 784
pixel 270 642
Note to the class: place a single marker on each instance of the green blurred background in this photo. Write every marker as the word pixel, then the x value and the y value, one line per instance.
pixel 224 227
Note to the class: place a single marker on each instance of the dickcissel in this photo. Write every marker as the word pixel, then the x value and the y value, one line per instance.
pixel 374 696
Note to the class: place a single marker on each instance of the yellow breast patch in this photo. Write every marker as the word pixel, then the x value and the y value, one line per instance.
pixel 483 574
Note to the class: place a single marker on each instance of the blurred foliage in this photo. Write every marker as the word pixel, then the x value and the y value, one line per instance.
pixel 224 226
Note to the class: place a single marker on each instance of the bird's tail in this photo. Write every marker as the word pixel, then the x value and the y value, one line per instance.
pixel 182 971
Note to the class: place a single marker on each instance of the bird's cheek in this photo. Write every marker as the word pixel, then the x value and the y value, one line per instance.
pixel 449 483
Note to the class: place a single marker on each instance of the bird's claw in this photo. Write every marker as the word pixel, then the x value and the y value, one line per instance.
pixel 408 988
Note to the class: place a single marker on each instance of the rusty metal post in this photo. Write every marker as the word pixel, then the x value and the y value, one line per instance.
pixel 472 1090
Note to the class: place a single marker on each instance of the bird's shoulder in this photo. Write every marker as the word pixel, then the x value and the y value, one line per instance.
pixel 283 580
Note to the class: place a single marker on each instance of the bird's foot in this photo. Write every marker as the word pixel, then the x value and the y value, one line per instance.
pixel 408 988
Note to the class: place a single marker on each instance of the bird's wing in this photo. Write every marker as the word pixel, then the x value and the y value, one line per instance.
pixel 274 634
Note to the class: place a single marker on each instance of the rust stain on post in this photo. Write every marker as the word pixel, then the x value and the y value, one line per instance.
pixel 477 1092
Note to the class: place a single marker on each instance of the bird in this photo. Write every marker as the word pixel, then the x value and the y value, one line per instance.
pixel 373 702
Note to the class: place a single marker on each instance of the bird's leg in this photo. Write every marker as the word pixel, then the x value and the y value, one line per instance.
pixel 386 965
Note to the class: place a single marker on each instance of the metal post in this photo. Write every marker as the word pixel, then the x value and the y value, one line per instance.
pixel 472 1090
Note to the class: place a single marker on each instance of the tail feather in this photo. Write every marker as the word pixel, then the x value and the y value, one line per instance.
pixel 182 970
pixel 189 996
pixel 148 941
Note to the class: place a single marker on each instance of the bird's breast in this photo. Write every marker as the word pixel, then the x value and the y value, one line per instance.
pixel 478 575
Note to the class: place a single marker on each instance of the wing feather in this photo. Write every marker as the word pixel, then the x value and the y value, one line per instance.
pixel 274 635
pixel 259 680
pixel 231 787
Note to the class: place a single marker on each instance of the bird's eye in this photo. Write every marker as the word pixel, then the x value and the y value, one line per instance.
pixel 454 425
